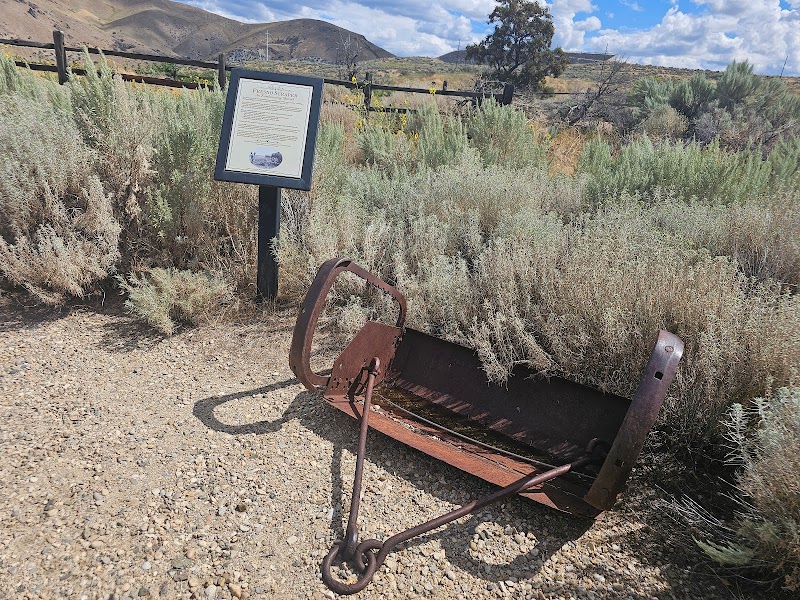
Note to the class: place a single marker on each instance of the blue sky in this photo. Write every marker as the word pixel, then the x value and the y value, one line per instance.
pixel 705 34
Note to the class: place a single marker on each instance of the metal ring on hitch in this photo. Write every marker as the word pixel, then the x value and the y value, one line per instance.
pixel 365 549
pixel 348 588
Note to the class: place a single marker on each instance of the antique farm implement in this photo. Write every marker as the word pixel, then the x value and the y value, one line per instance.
pixel 557 442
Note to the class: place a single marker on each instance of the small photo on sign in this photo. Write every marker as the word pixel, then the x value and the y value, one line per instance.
pixel 267 158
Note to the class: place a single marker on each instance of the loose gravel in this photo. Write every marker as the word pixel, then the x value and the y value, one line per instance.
pixel 196 466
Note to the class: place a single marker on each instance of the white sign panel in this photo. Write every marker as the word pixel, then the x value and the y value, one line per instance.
pixel 269 129
pixel 270 125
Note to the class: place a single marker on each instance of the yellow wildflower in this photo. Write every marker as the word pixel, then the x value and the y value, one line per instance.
pixel 353 79
pixel 432 90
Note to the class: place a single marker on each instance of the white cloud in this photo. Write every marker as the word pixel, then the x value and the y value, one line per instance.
pixel 632 5
pixel 711 35
pixel 569 33
pixel 759 31
pixel 590 24
pixel 413 27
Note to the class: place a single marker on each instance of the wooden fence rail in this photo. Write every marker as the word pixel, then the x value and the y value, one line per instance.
pixel 221 66
pixel 61 62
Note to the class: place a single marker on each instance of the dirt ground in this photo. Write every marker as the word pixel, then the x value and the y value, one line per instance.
pixel 135 465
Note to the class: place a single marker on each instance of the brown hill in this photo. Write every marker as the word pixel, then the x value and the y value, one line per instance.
pixel 173 29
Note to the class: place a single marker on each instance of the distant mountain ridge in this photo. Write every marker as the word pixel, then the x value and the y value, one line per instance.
pixel 174 29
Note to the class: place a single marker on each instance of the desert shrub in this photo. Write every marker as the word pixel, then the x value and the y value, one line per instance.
pixel 761 234
pixel 590 305
pixel 649 93
pixel 484 261
pixel 691 97
pixel 664 122
pixel 385 148
pixel 716 124
pixel 502 136
pixel 225 241
pixel 737 84
pixel 442 140
pixel 183 160
pixel 564 150
pixel 709 172
pixel 742 110
pixel 763 538
pixel 166 297
pixel 118 124
pixel 58 235
pixel 346 120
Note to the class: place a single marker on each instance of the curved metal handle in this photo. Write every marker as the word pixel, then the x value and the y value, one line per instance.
pixel 306 324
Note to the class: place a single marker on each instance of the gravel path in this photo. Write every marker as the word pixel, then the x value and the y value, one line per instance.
pixel 196 466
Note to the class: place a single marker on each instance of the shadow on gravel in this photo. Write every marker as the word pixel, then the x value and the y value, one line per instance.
pixel 127 334
pixel 123 334
pixel 648 542
pixel 638 524
pixel 553 529
pixel 15 316
pixel 204 411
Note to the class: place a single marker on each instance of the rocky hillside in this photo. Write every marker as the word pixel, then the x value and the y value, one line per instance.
pixel 174 29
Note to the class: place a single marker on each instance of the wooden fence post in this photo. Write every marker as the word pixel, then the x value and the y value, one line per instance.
pixel 61 56
pixel 444 85
pixel 221 72
pixel 508 94
pixel 368 92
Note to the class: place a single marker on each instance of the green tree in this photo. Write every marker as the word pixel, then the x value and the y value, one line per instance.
pixel 518 51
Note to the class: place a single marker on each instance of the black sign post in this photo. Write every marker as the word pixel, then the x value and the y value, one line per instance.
pixel 269 133
pixel 269 225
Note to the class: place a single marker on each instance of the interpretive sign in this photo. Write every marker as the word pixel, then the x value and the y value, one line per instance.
pixel 269 132
pixel 269 129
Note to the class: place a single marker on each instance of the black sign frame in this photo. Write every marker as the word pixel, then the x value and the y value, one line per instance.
pixel 304 181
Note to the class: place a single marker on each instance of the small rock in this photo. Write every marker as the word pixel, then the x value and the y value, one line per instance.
pixel 179 574
pixel 191 553
pixel 599 577
pixel 143 591
pixel 146 565
pixel 211 591
pixel 235 590
pixel 195 581
pixel 491 586
pixel 292 540
pixel 182 562
pixel 450 575
pixel 241 507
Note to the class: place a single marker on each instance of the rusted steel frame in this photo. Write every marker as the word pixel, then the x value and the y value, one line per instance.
pixel 368 562
pixel 496 469
pixel 351 535
pixel 639 420
pixel 303 336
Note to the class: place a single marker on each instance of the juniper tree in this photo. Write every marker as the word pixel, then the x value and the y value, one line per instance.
pixel 518 51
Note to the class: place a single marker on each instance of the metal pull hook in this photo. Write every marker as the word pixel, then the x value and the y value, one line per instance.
pixel 347 548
